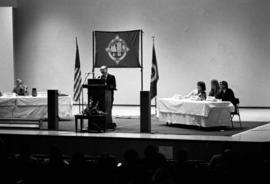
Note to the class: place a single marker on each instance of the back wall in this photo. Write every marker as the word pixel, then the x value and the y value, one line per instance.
pixel 6 50
pixel 195 40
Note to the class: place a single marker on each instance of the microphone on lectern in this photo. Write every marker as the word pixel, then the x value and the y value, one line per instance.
pixel 86 76
pixel 88 73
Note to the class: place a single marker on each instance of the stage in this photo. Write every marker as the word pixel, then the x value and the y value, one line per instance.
pixel 200 145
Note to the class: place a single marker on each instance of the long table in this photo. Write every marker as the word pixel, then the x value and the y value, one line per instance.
pixel 196 113
pixel 28 107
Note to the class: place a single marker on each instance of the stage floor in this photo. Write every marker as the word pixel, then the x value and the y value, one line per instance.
pixel 127 119
pixel 132 125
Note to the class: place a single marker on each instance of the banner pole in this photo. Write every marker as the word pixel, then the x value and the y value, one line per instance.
pixel 141 60
pixel 93 50
pixel 156 106
pixel 82 100
pixel 79 105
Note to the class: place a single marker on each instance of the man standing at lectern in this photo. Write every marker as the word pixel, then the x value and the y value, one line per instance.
pixel 109 79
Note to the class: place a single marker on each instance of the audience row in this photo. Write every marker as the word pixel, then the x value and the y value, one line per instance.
pixel 152 168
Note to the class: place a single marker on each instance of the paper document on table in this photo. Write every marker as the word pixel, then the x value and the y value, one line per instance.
pixel 211 99
pixel 177 96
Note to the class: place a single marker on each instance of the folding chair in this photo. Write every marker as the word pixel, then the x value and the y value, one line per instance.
pixel 236 112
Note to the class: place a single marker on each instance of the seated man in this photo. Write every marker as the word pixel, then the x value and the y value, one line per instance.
pixel 226 94
pixel 20 89
pixel 199 93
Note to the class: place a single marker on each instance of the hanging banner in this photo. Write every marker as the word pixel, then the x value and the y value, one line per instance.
pixel 117 49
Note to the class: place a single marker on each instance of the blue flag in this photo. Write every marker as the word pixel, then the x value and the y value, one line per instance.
pixel 154 75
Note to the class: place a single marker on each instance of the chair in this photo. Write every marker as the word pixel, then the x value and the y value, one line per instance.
pixel 236 112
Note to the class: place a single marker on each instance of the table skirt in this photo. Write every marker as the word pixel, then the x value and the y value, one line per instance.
pixel 216 118
pixel 33 107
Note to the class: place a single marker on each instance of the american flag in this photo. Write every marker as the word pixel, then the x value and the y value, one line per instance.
pixel 77 76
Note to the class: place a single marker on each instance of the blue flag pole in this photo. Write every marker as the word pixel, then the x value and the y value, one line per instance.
pixel 141 60
pixel 153 39
pixel 93 50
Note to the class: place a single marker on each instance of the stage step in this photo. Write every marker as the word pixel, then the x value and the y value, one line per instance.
pixel 20 123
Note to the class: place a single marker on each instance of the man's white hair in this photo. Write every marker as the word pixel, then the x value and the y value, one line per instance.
pixel 103 67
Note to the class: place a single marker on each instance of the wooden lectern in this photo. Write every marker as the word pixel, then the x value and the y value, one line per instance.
pixel 101 96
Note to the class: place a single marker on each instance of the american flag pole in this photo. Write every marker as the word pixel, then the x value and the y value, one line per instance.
pixel 77 78
pixel 82 102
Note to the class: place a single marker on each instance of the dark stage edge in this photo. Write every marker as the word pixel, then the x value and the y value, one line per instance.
pixel 198 147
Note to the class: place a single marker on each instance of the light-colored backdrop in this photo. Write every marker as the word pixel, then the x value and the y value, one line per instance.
pixel 195 40
pixel 6 50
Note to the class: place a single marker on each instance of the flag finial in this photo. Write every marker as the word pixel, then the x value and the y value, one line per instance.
pixel 153 39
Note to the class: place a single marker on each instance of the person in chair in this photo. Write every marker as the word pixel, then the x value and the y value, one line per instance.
pixel 20 89
pixel 215 89
pixel 226 93
pixel 199 93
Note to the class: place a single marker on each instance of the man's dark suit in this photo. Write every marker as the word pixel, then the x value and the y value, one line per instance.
pixel 110 82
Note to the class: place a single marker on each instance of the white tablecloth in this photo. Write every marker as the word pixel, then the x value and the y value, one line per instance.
pixel 33 107
pixel 198 113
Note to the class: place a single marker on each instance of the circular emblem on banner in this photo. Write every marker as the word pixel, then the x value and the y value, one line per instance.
pixel 117 49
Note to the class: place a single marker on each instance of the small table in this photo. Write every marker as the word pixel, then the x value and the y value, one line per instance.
pixel 97 122
pixel 28 107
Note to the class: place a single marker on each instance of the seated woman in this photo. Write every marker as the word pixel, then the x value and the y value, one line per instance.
pixel 199 93
pixel 215 89
pixel 20 89
pixel 226 94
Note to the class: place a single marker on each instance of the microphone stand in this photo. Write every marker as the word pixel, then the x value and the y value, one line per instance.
pixel 86 75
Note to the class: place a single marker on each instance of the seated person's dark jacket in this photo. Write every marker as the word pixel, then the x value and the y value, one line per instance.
pixel 214 93
pixel 202 95
pixel 20 90
pixel 228 95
